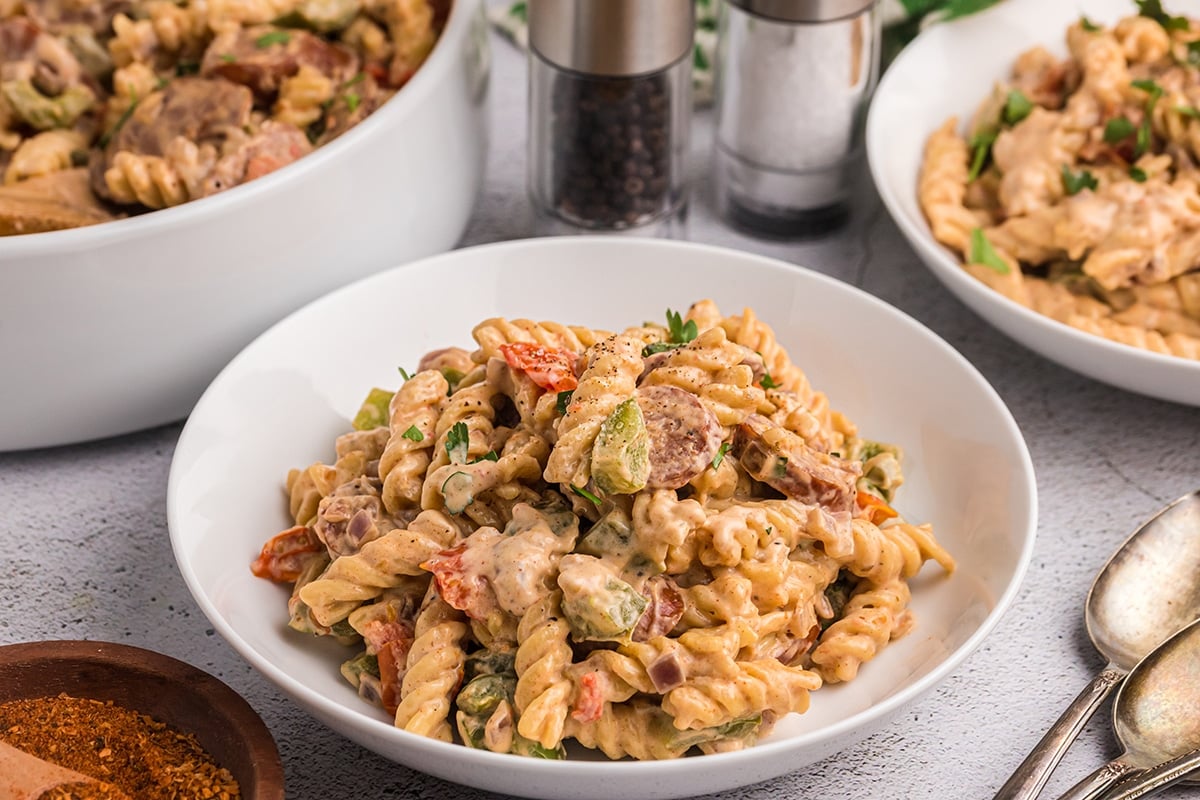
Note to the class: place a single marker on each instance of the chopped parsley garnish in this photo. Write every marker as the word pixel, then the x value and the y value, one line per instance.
pixel 458 439
pixel 520 11
pixel 981 149
pixel 490 455
pixel 228 58
pixel 1193 54
pixel 1138 174
pixel 680 332
pixel 413 435
pixel 1076 182
pixel 1148 86
pixel 659 347
pixel 272 37
pixel 1188 111
pixel 1117 129
pixel 1017 107
pixel 404 373
pixel 585 494
pixel 1142 141
pixel 983 253
pixel 1088 25
pixel 768 382
pixel 780 468
pixel 121 120
pixel 358 78
pixel 352 101
pixel 1155 11
pixel 562 401
pixel 720 456
pixel 699 60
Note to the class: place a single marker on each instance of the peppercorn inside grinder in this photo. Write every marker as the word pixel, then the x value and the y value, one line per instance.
pixel 609 112
pixel 793 79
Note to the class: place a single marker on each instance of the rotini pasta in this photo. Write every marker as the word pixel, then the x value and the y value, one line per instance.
pixel 1075 188
pixel 622 540
pixel 168 101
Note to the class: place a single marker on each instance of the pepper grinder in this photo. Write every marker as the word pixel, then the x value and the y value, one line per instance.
pixel 609 112
pixel 793 79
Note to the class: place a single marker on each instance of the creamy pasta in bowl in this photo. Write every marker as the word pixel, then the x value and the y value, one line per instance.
pixel 679 553
pixel 1052 185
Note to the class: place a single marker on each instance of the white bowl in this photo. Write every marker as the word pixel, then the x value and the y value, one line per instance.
pixel 283 400
pixel 120 326
pixel 945 72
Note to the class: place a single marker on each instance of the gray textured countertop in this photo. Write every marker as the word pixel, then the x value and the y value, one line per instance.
pixel 87 553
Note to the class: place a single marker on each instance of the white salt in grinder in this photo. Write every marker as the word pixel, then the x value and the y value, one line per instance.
pixel 793 80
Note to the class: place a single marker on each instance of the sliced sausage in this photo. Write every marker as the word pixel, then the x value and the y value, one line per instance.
pixel 785 462
pixel 684 435
pixel 261 56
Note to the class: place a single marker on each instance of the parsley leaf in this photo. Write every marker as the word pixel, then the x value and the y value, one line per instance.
pixel 1117 129
pixel 1142 142
pixel 1088 25
pixel 562 401
pixel 679 331
pixel 1193 53
pixel 413 435
pixel 1076 182
pixel 586 495
pixel 659 347
pixel 1188 111
pixel 1148 86
pixel 720 456
pixel 1155 11
pixel 228 58
pixel 458 439
pixel 121 120
pixel 352 101
pixel 1138 174
pixel 404 373
pixel 768 382
pixel 983 253
pixel 1017 107
pixel 272 37
pixel 490 455
pixel 981 148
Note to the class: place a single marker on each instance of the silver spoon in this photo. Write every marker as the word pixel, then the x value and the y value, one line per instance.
pixel 1148 590
pixel 1155 719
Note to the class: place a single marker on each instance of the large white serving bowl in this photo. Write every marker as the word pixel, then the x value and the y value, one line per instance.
pixel 945 72
pixel 120 326
pixel 284 399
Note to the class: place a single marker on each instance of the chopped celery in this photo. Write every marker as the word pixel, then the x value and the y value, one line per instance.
pixel 374 410
pixel 621 454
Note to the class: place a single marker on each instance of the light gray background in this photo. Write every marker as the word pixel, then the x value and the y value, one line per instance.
pixel 86 551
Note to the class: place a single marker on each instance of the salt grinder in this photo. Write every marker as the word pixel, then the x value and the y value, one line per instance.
pixel 793 79
pixel 609 111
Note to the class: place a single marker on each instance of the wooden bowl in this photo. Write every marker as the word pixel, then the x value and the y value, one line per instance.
pixel 171 691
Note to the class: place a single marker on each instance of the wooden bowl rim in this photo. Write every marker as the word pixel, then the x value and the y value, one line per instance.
pixel 242 718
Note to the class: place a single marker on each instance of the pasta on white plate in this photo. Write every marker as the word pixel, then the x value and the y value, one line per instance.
pixel 1074 189
pixel 649 542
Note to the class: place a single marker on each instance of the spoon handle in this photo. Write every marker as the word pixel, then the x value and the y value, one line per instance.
pixel 1031 776
pixel 1099 782
pixel 1155 779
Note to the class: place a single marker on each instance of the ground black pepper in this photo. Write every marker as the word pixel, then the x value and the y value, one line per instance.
pixel 611 140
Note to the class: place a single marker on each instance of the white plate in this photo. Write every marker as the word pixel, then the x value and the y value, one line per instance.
pixel 946 72
pixel 283 400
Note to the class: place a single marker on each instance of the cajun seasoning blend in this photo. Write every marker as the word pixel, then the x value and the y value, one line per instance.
pixel 793 79
pixel 609 110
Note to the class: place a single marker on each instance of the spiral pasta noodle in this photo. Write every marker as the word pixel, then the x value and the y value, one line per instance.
pixel 1074 187
pixel 507 558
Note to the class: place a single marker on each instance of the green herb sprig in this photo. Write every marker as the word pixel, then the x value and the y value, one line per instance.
pixel 983 253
